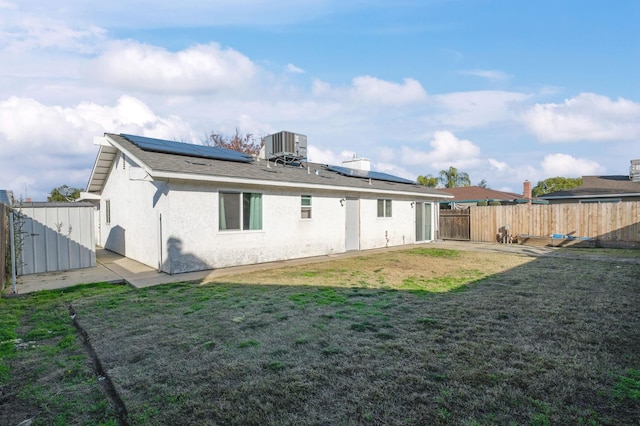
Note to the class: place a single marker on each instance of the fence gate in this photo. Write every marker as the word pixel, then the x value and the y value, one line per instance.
pixel 55 237
pixel 455 225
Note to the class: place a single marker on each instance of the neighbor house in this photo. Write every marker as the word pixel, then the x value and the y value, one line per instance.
pixel 602 189
pixel 182 207
pixel 466 196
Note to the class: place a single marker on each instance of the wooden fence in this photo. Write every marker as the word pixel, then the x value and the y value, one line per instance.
pixel 454 225
pixel 608 222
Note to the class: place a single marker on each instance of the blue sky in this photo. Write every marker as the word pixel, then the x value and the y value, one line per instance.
pixel 503 90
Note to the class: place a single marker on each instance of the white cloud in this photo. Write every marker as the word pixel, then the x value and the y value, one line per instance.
pixel 29 33
pixel 586 117
pixel 198 69
pixel 498 165
pixel 488 74
pixel 394 169
pixel 385 154
pixel 371 89
pixel 321 88
pixel 477 108
pixel 293 69
pixel 4 4
pixel 567 166
pixel 447 150
pixel 45 146
pixel 322 156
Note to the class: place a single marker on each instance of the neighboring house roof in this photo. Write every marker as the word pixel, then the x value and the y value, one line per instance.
pixel 162 165
pixel 474 194
pixel 599 187
pixel 478 193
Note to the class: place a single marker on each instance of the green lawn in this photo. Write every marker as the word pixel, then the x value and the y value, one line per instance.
pixel 405 337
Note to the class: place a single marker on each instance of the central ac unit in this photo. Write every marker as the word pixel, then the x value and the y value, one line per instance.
pixel 285 145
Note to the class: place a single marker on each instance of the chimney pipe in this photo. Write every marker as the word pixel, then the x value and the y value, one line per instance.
pixel 526 193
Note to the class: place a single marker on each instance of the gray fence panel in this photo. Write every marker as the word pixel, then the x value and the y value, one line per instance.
pixel 57 237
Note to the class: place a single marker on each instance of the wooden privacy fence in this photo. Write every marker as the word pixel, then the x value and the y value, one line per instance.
pixel 454 224
pixel 610 222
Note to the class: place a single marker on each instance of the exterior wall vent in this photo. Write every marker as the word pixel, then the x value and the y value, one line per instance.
pixel 286 146
pixel 634 171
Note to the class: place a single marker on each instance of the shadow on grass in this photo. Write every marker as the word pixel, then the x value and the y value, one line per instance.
pixel 552 341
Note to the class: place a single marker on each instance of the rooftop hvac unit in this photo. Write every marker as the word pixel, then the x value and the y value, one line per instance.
pixel 286 146
pixel 634 171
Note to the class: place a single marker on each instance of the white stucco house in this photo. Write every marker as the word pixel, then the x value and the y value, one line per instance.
pixel 182 207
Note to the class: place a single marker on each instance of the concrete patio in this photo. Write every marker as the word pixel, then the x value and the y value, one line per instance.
pixel 114 268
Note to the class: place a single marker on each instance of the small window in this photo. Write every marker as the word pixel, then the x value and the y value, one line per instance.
pixel 240 211
pixel 384 208
pixel 107 211
pixel 305 207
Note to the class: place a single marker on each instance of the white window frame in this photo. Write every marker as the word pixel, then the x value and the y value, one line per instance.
pixel 241 213
pixel 107 212
pixel 384 208
pixel 306 209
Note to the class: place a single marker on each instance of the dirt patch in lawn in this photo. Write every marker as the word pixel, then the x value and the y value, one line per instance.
pixel 409 337
pixel 46 375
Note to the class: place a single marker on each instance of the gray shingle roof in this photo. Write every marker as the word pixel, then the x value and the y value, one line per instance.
pixel 475 193
pixel 261 171
pixel 615 185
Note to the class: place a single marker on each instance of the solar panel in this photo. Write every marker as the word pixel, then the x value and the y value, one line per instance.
pixel 366 174
pixel 192 150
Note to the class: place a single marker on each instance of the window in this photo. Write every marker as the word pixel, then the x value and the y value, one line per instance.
pixel 384 208
pixel 107 211
pixel 305 207
pixel 240 211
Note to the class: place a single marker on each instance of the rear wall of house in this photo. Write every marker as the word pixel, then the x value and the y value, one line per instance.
pixel 135 208
pixel 175 227
pixel 194 239
pixel 376 232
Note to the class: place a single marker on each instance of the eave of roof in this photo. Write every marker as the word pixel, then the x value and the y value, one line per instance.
pixel 101 168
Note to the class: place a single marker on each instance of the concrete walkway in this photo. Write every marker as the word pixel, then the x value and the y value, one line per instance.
pixel 114 268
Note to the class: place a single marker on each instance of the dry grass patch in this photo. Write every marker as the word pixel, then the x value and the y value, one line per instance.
pixel 544 341
pixel 428 269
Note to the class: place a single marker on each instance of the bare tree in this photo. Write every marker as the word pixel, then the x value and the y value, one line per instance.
pixel 242 142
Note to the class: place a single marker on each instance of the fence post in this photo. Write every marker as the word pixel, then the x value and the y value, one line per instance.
pixel 13 252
